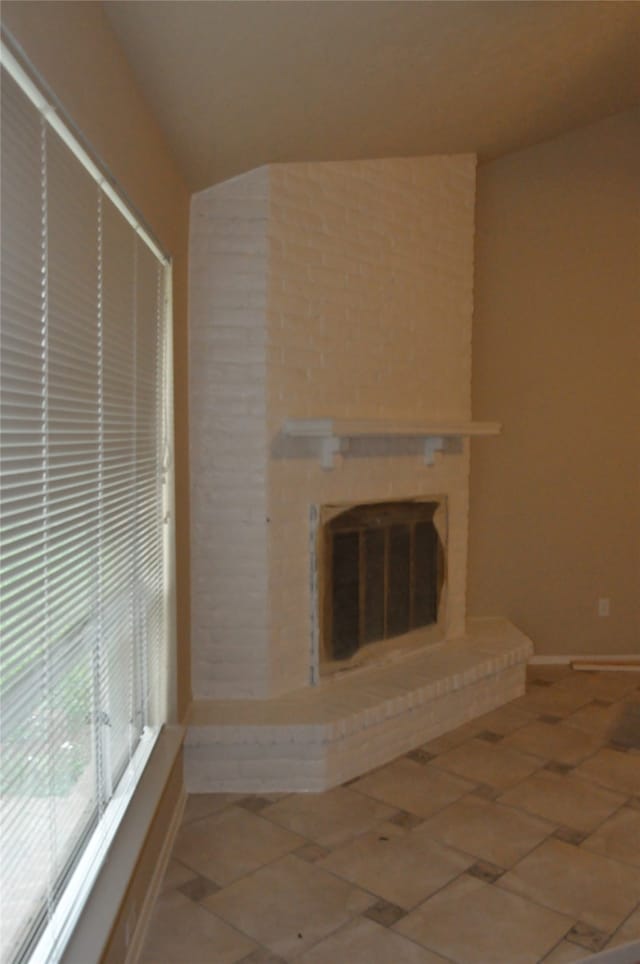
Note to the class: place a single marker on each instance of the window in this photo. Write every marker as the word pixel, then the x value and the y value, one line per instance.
pixel 84 488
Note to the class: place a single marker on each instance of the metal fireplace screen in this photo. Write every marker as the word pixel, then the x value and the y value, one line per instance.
pixel 384 570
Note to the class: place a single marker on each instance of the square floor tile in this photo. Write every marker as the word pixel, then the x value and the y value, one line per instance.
pixel 594 719
pixel 490 736
pixel 254 803
pixel 566 744
pixel 497 764
pixel 262 956
pixel 609 768
pixel 566 953
pixel 628 931
pixel 569 835
pixel 565 800
pixel 605 686
pixel 588 937
pixel 181 931
pixel 453 738
pixel 626 732
pixel 553 699
pixel 486 871
pixel 289 905
pixel 328 818
pixel 422 789
pixel 198 888
pixel 232 843
pixel 618 745
pixel 618 837
pixel 420 756
pixel 177 874
pixel 403 868
pixel 365 942
pixel 591 888
pixel 487 830
pixel 555 767
pixel 471 922
pixel 311 852
pixel 405 820
pixel 201 805
pixel 385 913
pixel 548 671
pixel 485 792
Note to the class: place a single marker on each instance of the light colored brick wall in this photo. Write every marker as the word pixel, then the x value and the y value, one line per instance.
pixel 228 294
pixel 369 315
pixel 338 289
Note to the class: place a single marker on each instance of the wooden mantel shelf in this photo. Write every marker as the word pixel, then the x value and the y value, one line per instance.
pixel 333 433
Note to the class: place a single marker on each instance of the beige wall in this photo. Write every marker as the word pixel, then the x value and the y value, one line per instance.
pixel 555 502
pixel 76 52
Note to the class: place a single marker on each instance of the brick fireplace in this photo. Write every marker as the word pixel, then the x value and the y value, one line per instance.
pixel 324 290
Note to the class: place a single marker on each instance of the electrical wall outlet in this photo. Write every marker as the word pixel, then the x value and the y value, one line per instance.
pixel 603 606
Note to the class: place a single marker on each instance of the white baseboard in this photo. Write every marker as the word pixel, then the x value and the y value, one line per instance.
pixel 558 659
pixel 144 917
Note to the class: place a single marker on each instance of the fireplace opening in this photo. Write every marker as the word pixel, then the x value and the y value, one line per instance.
pixel 382 575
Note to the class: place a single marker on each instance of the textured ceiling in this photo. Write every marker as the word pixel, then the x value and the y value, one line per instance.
pixel 239 84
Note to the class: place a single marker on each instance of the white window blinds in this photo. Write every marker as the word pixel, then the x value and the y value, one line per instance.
pixel 83 564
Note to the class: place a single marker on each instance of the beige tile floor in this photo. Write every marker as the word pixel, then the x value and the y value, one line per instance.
pixel 514 839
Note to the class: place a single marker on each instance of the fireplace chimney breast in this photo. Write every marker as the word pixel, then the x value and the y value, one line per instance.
pixel 339 288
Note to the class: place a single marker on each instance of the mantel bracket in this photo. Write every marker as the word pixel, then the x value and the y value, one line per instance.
pixel 433 444
pixel 329 448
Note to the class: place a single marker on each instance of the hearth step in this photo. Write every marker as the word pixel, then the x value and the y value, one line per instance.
pixel 318 737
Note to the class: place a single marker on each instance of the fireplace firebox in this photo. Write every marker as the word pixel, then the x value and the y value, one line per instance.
pixel 382 576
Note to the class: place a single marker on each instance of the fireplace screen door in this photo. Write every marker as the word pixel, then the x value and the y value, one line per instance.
pixel 383 570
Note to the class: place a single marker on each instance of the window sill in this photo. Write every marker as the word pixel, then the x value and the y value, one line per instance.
pixel 101 911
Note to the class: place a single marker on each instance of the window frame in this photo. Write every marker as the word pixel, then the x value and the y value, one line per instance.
pixel 48 943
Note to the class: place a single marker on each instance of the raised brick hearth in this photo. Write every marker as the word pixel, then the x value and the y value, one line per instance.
pixel 318 737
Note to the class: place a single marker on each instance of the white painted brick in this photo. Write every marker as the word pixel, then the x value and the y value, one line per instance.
pixel 228 290
pixel 293 755
pixel 335 288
